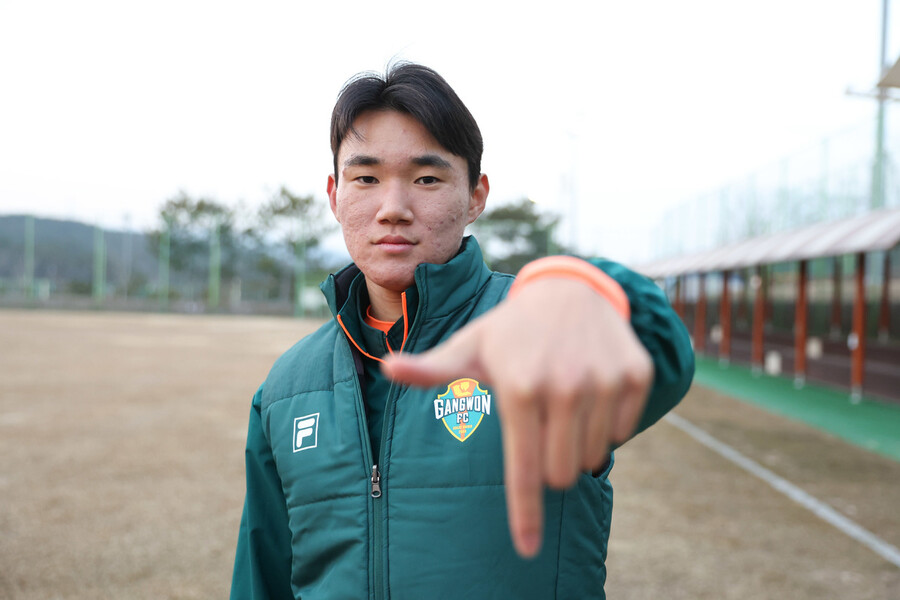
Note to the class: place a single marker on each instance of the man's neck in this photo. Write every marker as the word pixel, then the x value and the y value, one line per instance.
pixel 386 305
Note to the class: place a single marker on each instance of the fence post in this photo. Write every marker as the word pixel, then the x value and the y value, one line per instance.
pixel 857 339
pixel 99 287
pixel 884 311
pixel 759 317
pixel 725 318
pixel 164 242
pixel 801 321
pixel 28 275
pixel 837 298
pixel 299 276
pixel 700 315
pixel 127 253
pixel 215 268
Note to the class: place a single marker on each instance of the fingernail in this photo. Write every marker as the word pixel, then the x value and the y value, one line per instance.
pixel 529 544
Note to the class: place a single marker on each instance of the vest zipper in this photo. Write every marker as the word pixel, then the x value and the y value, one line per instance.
pixel 373 478
pixel 379 534
pixel 377 479
pixel 377 546
pixel 376 482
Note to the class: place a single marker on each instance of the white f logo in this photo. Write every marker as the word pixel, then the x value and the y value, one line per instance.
pixel 306 431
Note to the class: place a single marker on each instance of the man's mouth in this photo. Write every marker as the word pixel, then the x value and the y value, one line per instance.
pixel 394 243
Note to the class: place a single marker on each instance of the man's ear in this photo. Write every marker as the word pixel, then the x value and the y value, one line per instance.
pixel 478 198
pixel 332 195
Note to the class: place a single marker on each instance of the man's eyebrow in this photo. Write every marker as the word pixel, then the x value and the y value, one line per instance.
pixel 426 160
pixel 431 160
pixel 361 160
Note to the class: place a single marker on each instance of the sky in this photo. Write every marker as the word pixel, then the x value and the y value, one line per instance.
pixel 607 113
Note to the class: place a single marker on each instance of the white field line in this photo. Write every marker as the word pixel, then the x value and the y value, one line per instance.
pixel 817 507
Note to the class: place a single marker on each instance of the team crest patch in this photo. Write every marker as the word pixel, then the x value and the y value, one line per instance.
pixel 462 407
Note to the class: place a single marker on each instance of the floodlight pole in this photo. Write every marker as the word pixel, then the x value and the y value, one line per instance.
pixel 878 170
pixel 571 179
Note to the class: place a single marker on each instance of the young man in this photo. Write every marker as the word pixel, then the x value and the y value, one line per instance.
pixel 450 432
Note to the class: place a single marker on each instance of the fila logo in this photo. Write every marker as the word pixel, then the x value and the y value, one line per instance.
pixel 306 432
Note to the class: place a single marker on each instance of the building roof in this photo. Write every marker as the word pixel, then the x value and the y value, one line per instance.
pixel 877 230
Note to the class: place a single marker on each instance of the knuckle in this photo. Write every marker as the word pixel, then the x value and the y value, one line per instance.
pixel 639 379
pixel 520 392
pixel 567 400
pixel 637 374
pixel 644 364
pixel 604 386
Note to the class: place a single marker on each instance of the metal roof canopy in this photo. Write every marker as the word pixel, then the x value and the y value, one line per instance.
pixel 877 230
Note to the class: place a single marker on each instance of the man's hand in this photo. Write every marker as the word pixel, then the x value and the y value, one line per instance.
pixel 571 379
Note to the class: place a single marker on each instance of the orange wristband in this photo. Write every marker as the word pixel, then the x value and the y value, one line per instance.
pixel 569 267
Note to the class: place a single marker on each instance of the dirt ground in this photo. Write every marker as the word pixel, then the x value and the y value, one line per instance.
pixel 121 474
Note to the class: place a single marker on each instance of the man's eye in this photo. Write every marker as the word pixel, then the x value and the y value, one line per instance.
pixel 366 179
pixel 427 180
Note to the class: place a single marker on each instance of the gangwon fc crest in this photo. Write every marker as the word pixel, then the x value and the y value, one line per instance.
pixel 462 407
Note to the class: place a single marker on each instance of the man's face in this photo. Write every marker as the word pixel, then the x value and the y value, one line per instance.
pixel 401 198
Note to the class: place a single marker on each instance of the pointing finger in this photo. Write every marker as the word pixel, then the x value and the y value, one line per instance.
pixel 522 473
pixel 457 357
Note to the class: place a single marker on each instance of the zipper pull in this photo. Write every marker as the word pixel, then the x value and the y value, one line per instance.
pixel 376 482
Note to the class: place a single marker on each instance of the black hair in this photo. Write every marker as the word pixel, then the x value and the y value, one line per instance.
pixel 419 92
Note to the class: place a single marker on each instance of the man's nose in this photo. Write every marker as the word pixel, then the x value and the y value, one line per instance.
pixel 396 203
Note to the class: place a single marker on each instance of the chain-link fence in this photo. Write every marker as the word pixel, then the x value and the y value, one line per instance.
pixel 64 264
pixel 835 178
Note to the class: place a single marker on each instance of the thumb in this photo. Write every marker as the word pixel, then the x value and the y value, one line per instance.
pixel 455 358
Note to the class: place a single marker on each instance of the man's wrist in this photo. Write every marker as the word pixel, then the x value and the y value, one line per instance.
pixel 575 269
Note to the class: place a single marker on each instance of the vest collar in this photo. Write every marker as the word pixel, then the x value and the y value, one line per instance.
pixel 439 290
